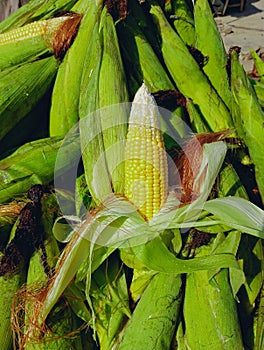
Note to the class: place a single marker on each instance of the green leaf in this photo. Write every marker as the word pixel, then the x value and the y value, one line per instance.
pixel 63 229
pixel 238 213
pixel 230 244
pixel 210 314
pixel 140 281
pixel 156 256
pixel 154 319
pixel 109 296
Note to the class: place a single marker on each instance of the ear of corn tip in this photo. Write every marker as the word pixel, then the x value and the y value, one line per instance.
pixel 31 30
pixel 146 173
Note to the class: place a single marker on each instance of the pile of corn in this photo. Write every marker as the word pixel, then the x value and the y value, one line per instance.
pixel 158 242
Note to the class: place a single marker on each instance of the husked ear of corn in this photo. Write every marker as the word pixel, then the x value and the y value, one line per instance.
pixel 35 10
pixel 52 36
pixel 43 28
pixel 146 170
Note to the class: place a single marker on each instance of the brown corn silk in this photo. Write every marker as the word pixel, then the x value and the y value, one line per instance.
pixel 188 161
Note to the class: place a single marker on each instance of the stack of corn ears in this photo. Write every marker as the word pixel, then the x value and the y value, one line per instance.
pixel 126 220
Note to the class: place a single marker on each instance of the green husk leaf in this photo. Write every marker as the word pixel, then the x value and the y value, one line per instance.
pixel 112 91
pixel 30 82
pixel 238 213
pixel 184 21
pixel 215 68
pixel 64 112
pixel 141 279
pixel 33 11
pixel 109 296
pixel 23 51
pixel 168 263
pixel 33 163
pixel 9 285
pixel 180 65
pixel 259 323
pixel 258 63
pixel 248 118
pixel 154 319
pixel 210 313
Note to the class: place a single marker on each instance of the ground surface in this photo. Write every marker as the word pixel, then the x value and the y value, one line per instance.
pixel 244 29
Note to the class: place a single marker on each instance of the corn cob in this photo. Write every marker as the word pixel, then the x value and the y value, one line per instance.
pixel 155 317
pixel 43 28
pixel 64 112
pixel 181 64
pixel 146 172
pixel 37 39
pixel 101 131
pixel 259 64
pixel 30 82
pixel 248 118
pixel 215 68
pixel 34 11
pixel 33 163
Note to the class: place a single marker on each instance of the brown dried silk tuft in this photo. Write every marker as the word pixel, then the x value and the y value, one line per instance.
pixel 197 239
pixel 38 335
pixel 28 235
pixel 169 99
pixel 188 161
pixel 117 8
pixel 65 34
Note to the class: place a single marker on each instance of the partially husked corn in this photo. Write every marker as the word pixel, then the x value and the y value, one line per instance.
pixel 31 30
pixel 146 173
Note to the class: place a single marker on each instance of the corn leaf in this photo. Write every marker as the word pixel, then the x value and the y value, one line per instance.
pixel 238 213
pixel 109 297
pixel 248 117
pixel 66 93
pixel 34 163
pixel 168 263
pixel 213 49
pixel 210 313
pixel 154 319
pixel 33 11
pixel 31 81
pixel 181 64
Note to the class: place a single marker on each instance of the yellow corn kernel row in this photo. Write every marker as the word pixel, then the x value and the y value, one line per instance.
pixel 31 30
pixel 146 172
